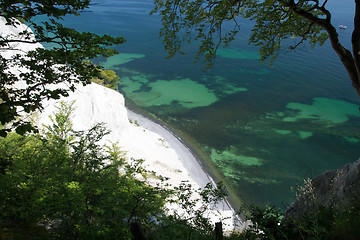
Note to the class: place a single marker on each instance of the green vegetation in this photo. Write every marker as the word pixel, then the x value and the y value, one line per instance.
pixel 107 78
pixel 279 24
pixel 62 184
pixel 328 223
pixel 62 63
pixel 68 186
pixel 135 123
pixel 309 217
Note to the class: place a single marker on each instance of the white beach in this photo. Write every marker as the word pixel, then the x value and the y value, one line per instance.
pixel 184 154
pixel 162 151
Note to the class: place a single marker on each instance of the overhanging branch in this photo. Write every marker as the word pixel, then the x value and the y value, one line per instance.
pixel 350 62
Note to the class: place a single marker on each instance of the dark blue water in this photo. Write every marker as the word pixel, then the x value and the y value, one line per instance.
pixel 264 128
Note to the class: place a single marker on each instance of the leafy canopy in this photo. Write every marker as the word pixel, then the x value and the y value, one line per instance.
pixel 73 186
pixel 279 25
pixel 64 184
pixel 107 78
pixel 42 68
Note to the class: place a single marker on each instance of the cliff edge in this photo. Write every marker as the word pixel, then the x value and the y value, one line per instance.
pixel 337 188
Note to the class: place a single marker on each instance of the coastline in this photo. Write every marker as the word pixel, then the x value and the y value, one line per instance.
pixel 162 151
pixel 187 156
pixel 94 103
pixel 193 159
pixel 189 159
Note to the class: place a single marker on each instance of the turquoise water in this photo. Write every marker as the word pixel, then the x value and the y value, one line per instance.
pixel 265 128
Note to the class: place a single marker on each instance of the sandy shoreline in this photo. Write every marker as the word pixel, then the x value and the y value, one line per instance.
pixel 142 138
pixel 188 158
pixel 163 151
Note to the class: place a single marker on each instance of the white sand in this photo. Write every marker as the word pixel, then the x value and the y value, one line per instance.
pixel 162 151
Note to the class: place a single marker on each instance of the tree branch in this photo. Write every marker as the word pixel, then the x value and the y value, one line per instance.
pixel 17 41
pixel 344 54
pixel 303 38
pixel 355 39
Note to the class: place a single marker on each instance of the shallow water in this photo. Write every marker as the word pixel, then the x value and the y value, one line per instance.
pixel 265 128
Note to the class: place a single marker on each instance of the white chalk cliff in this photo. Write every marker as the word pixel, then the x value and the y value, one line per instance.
pixel 161 150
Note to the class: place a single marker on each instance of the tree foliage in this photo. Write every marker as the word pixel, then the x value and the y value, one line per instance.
pixel 319 222
pixel 42 68
pixel 107 78
pixel 187 20
pixel 68 183
pixel 279 24
pixel 64 184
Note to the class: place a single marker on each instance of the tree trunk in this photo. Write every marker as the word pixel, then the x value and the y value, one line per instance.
pixel 218 231
pixel 351 61
pixel 355 40
pixel 137 232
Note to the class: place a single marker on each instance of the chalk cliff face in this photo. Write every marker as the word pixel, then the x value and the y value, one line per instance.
pixel 337 188
pixel 162 151
pixel 97 104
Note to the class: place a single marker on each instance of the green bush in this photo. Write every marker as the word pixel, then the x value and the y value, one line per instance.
pixel 107 78
pixel 319 222
pixel 63 184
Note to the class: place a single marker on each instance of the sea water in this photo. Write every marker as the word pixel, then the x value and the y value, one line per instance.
pixel 264 128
